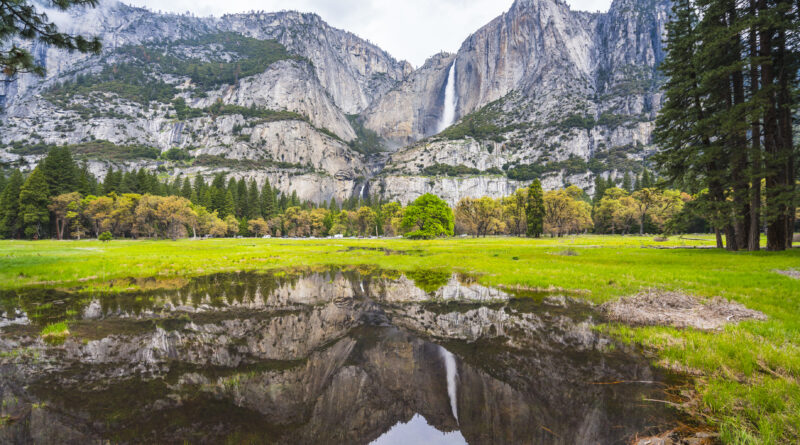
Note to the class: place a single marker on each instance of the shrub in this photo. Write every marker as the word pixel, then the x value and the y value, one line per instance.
pixel 105 237
pixel 55 333
pixel 457 170
pixel 177 154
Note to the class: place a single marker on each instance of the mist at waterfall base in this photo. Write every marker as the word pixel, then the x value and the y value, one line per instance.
pixel 450 101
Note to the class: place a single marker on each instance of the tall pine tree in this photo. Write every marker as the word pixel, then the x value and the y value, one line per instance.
pixel 534 210
pixel 33 201
pixel 10 221
pixel 60 171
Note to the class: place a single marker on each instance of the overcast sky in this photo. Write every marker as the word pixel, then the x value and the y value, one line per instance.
pixel 409 29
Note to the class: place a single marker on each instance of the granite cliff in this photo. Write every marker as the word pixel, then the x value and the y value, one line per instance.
pixel 539 92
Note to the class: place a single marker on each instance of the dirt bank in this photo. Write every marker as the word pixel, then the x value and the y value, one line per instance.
pixel 668 308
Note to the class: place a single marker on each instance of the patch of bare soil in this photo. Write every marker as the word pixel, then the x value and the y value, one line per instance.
pixel 680 436
pixel 791 273
pixel 666 308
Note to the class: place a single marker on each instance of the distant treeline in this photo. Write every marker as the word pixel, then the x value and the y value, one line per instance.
pixel 62 199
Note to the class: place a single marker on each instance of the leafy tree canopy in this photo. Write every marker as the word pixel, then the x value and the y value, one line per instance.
pixel 428 217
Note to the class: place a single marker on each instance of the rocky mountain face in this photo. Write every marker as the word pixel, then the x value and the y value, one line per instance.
pixel 352 71
pixel 539 92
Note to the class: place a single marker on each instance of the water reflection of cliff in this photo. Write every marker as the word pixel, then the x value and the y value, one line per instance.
pixel 319 358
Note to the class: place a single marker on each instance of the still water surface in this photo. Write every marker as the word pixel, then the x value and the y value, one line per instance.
pixel 329 356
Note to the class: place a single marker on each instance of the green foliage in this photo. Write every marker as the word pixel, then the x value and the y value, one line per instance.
pixel 220 109
pixel 367 142
pixel 33 201
pixel 60 171
pixel 244 164
pixel 23 19
pixel 635 80
pixel 742 369
pixel 577 121
pixel 612 120
pixel 429 280
pixel 534 210
pixel 98 149
pixel 457 170
pixel 263 115
pixel 26 149
pixel 526 172
pixel 105 237
pixel 616 158
pixel 10 218
pixel 132 81
pixel 184 111
pixel 176 154
pixel 627 185
pixel 727 117
pixel 480 125
pixel 427 217
pixel 55 332
pixel 252 56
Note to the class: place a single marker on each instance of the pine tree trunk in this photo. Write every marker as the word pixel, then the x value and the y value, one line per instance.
pixel 731 238
pixel 776 223
pixel 786 145
pixel 754 235
pixel 738 145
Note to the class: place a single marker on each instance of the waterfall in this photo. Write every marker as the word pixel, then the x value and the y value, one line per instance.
pixel 452 373
pixel 361 193
pixel 450 100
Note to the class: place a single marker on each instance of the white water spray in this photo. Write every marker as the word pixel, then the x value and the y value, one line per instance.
pixel 452 373
pixel 361 193
pixel 450 100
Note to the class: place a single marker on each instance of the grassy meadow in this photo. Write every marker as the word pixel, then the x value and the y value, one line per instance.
pixel 747 376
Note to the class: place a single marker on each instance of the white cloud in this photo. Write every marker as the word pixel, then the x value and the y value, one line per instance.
pixel 408 29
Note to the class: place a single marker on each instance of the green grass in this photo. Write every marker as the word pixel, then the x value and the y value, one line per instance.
pixel 56 332
pixel 748 376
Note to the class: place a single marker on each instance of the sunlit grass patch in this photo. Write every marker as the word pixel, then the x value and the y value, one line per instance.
pixel 747 373
pixel 55 332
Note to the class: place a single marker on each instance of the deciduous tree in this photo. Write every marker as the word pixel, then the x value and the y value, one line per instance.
pixel 427 217
pixel 65 208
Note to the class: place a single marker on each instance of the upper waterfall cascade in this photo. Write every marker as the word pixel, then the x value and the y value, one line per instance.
pixel 450 101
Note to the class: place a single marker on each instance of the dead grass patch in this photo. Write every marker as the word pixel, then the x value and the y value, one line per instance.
pixel 656 307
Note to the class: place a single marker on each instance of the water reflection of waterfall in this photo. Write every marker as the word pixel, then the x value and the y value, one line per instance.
pixel 450 100
pixel 452 373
